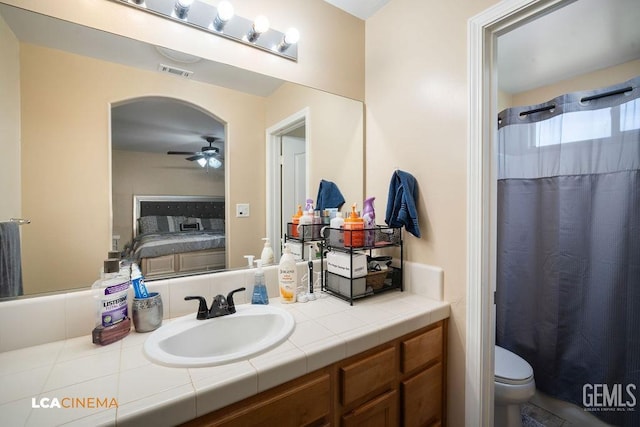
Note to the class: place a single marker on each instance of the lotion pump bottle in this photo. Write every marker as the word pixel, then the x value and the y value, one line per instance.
pixel 287 276
pixel 260 295
pixel 267 253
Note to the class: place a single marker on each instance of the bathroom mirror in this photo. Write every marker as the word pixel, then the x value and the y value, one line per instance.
pixel 70 76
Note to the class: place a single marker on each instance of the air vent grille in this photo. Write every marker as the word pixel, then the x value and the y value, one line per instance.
pixel 175 71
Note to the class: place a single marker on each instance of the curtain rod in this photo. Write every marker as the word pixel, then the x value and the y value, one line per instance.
pixel 605 94
pixel 582 100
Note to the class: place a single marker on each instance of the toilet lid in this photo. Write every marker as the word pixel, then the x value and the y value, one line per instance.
pixel 511 368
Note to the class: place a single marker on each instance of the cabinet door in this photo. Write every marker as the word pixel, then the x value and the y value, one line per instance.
pixel 379 412
pixel 422 397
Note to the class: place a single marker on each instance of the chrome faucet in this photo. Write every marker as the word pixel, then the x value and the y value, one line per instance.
pixel 220 306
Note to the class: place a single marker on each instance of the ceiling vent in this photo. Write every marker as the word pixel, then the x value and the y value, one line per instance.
pixel 175 71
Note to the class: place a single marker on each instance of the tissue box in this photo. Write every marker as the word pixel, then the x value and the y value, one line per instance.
pixel 342 285
pixel 347 265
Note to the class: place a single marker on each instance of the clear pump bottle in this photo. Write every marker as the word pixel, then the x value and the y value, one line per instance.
pixel 260 295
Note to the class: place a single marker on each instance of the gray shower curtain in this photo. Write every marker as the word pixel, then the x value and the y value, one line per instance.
pixel 568 247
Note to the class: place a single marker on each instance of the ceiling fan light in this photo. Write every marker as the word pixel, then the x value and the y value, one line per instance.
pixel 202 161
pixel 214 163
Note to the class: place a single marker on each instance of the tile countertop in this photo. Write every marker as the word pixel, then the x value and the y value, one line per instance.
pixel 327 330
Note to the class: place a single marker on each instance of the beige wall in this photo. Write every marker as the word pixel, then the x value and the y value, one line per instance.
pixel 66 159
pixel 595 80
pixel 334 134
pixel 417 117
pixel 9 124
pixel 135 173
pixel 331 55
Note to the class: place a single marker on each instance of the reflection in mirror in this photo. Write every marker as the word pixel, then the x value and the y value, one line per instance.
pixel 167 168
pixel 62 80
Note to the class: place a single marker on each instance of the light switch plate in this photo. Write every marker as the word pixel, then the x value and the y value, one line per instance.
pixel 242 210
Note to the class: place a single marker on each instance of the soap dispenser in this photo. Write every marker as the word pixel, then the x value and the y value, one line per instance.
pixel 354 229
pixel 260 295
pixel 295 220
pixel 267 253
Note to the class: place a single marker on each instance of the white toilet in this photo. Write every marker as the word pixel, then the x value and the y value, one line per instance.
pixel 514 385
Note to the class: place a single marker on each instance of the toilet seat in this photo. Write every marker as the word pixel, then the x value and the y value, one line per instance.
pixel 511 368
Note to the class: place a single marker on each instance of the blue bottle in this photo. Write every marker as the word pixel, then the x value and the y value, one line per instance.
pixel 259 295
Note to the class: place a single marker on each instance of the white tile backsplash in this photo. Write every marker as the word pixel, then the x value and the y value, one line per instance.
pixel 32 321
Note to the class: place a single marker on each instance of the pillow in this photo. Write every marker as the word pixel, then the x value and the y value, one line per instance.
pixel 189 222
pixel 157 224
pixel 213 224
pixel 148 224
pixel 190 226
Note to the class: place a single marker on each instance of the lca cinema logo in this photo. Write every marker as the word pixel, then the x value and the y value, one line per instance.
pixel 74 402
pixel 605 397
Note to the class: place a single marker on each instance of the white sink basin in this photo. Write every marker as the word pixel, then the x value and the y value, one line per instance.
pixel 188 342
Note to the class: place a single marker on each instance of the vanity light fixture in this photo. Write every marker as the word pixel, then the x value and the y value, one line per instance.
pixel 260 25
pixel 225 13
pixel 221 21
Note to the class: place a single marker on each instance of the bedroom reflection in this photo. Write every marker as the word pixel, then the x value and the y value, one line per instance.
pixel 168 186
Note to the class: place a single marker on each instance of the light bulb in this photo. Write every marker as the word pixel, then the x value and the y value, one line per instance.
pixel 202 161
pixel 292 36
pixel 261 24
pixel 225 11
pixel 181 9
pixel 214 163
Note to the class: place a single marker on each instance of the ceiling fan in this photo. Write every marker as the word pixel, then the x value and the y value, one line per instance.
pixel 207 156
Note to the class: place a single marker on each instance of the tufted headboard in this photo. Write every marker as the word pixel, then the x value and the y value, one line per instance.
pixel 188 206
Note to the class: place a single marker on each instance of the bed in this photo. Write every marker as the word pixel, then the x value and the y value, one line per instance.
pixel 176 235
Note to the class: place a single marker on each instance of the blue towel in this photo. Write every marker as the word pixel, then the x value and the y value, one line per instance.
pixel 329 196
pixel 10 260
pixel 401 203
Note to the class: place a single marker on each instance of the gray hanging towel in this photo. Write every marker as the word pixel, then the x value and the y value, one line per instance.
pixel 10 260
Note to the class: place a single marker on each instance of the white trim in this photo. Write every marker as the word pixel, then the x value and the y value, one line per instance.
pixel 483 30
pixel 273 135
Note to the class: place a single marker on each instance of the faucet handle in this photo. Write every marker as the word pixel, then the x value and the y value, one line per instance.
pixel 203 311
pixel 219 306
pixel 232 306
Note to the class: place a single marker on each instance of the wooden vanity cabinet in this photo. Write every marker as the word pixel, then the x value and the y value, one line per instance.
pixel 401 382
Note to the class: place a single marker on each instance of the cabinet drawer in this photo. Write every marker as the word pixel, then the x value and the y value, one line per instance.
pixel 422 397
pixel 422 349
pixel 371 374
pixel 381 411
pixel 307 404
